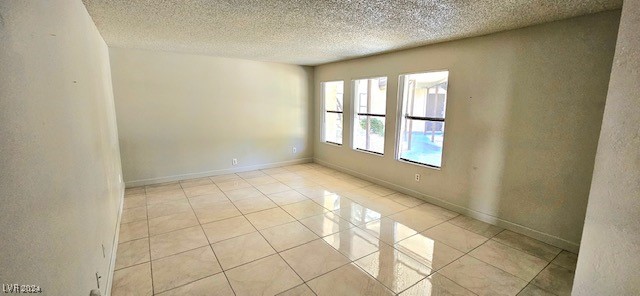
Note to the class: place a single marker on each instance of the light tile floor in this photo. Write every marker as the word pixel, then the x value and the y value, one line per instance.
pixel 310 230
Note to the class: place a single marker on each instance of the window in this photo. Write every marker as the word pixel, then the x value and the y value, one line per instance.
pixel 332 93
pixel 370 98
pixel 424 100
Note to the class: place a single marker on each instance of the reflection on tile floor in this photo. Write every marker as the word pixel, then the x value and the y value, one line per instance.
pixel 311 230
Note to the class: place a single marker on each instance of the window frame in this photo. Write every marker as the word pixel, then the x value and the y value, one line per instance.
pixel 400 117
pixel 325 111
pixel 354 114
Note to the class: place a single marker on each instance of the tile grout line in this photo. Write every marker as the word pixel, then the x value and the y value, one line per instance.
pixel 537 274
pixel 305 282
pixel 298 220
pixel 341 195
pixel 419 232
pixel 151 260
pixel 221 271
pixel 467 253
pixel 208 242
pixel 200 224
pixel 321 237
pixel 431 273
pixel 355 226
pixel 523 251
pixel 265 239
pixel 443 267
pixel 136 263
pixel 153 292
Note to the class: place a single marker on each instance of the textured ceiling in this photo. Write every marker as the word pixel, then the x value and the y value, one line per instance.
pixel 310 32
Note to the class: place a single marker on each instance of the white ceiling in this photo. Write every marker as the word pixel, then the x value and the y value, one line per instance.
pixel 310 32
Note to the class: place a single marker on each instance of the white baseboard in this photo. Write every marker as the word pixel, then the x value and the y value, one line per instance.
pixel 150 181
pixel 547 238
pixel 114 247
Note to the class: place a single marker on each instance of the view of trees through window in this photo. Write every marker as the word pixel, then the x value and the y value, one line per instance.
pixel 332 93
pixel 424 98
pixel 370 97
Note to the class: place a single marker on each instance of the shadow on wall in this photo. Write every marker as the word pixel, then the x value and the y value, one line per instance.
pixel 542 148
pixel 550 152
pixel 486 165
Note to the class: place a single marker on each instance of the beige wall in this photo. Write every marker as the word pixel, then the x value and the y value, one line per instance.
pixel 523 117
pixel 182 116
pixel 60 181
pixel 609 260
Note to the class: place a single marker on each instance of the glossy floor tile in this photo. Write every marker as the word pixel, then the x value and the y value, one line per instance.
pixel 304 209
pixel 173 222
pixel 326 224
pixel 533 290
pixel 195 182
pixel 269 218
pixel 174 242
pixel 511 260
pixel 394 269
pixel 354 243
pixel 455 236
pixel 211 212
pixel 348 280
pixel 436 285
pixel 567 260
pixel 242 249
pixel 476 226
pixel 266 276
pixel 555 279
pixel 133 281
pixel 133 230
pixel 528 245
pixel 416 220
pixel 168 208
pixel 311 230
pixel 406 200
pixel 254 204
pixel 429 252
pixel 388 231
pixel 165 196
pixel 302 290
pixel 228 228
pixel 287 197
pixel 132 253
pixel 288 235
pixel 482 278
pixel 215 284
pixel 134 214
pixel 183 268
pixel 313 259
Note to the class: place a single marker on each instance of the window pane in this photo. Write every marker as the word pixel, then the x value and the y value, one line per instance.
pixel 333 92
pixel 422 142
pixel 370 96
pixel 369 133
pixel 423 95
pixel 333 127
pixel 426 94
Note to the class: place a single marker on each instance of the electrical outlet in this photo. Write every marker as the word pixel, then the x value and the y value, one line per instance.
pixel 417 177
pixel 234 161
pixel 295 150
